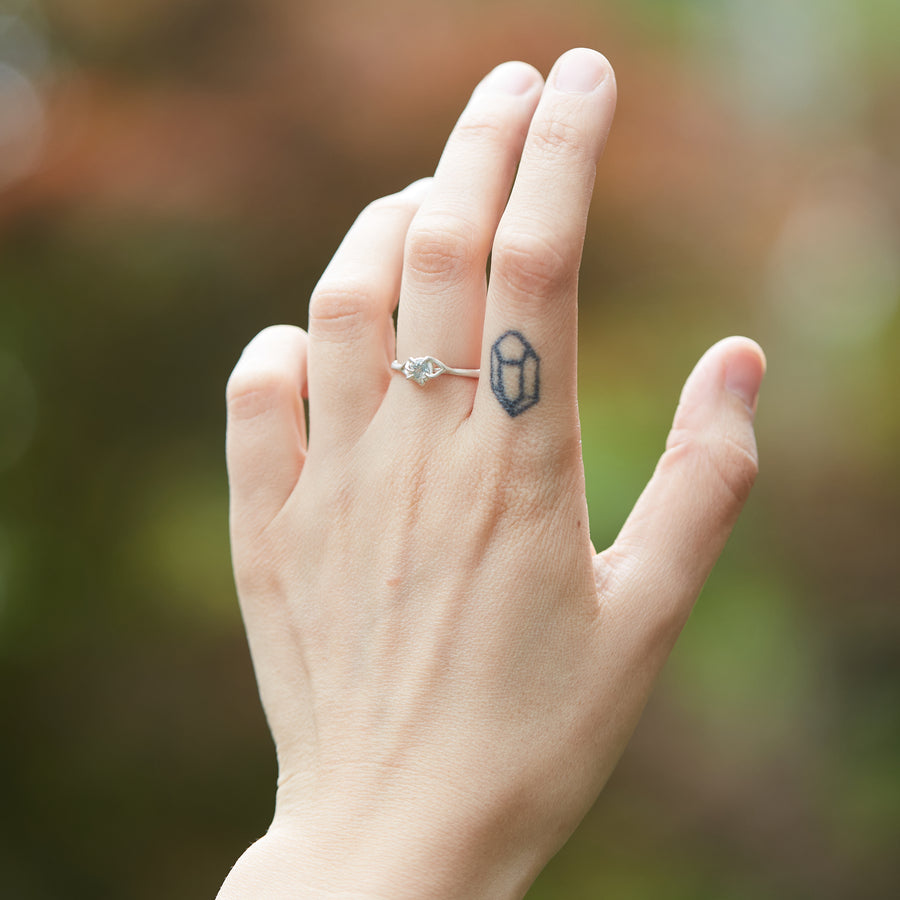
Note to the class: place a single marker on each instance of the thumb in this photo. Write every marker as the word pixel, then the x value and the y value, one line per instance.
pixel 678 527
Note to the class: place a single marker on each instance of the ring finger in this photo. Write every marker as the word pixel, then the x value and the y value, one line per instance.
pixel 442 295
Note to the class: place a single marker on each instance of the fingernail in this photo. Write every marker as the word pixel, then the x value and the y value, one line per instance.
pixel 743 376
pixel 580 71
pixel 509 78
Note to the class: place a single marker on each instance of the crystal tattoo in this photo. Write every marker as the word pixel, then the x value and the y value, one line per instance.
pixel 515 373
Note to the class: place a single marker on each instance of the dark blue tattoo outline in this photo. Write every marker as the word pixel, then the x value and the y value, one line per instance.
pixel 522 356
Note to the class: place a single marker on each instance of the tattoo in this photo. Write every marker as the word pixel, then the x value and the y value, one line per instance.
pixel 515 373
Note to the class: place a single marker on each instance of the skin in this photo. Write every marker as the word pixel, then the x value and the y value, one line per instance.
pixel 449 670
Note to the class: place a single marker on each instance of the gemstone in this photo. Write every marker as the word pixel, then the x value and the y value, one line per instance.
pixel 515 373
pixel 419 369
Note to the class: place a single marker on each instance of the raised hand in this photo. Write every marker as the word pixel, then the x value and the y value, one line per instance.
pixel 449 671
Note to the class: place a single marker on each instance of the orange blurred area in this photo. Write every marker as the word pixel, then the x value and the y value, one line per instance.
pixel 174 176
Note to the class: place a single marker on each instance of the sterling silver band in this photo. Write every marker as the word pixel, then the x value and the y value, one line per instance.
pixel 423 368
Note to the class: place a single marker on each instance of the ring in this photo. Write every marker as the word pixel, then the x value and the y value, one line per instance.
pixel 423 368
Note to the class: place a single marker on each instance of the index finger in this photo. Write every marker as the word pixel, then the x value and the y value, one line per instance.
pixel 530 329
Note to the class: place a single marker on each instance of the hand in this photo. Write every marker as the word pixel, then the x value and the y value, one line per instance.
pixel 449 671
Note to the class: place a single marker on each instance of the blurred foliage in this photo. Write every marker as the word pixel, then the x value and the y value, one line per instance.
pixel 174 176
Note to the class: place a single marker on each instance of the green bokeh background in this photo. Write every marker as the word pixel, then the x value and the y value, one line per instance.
pixel 175 178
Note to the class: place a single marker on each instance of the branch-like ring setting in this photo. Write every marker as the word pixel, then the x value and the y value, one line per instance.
pixel 421 369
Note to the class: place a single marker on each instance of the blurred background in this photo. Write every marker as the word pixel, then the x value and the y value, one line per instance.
pixel 174 175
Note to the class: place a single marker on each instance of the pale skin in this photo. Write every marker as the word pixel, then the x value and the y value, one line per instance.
pixel 449 670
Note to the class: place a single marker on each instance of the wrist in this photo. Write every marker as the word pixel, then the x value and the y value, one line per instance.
pixel 365 855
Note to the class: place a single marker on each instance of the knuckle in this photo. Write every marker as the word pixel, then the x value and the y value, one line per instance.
pixel 388 205
pixel 555 137
pixel 531 264
pixel 282 340
pixel 441 247
pixel 736 466
pixel 252 391
pixel 733 465
pixel 339 307
pixel 483 130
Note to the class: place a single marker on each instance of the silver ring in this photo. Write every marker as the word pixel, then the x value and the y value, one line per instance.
pixel 423 368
